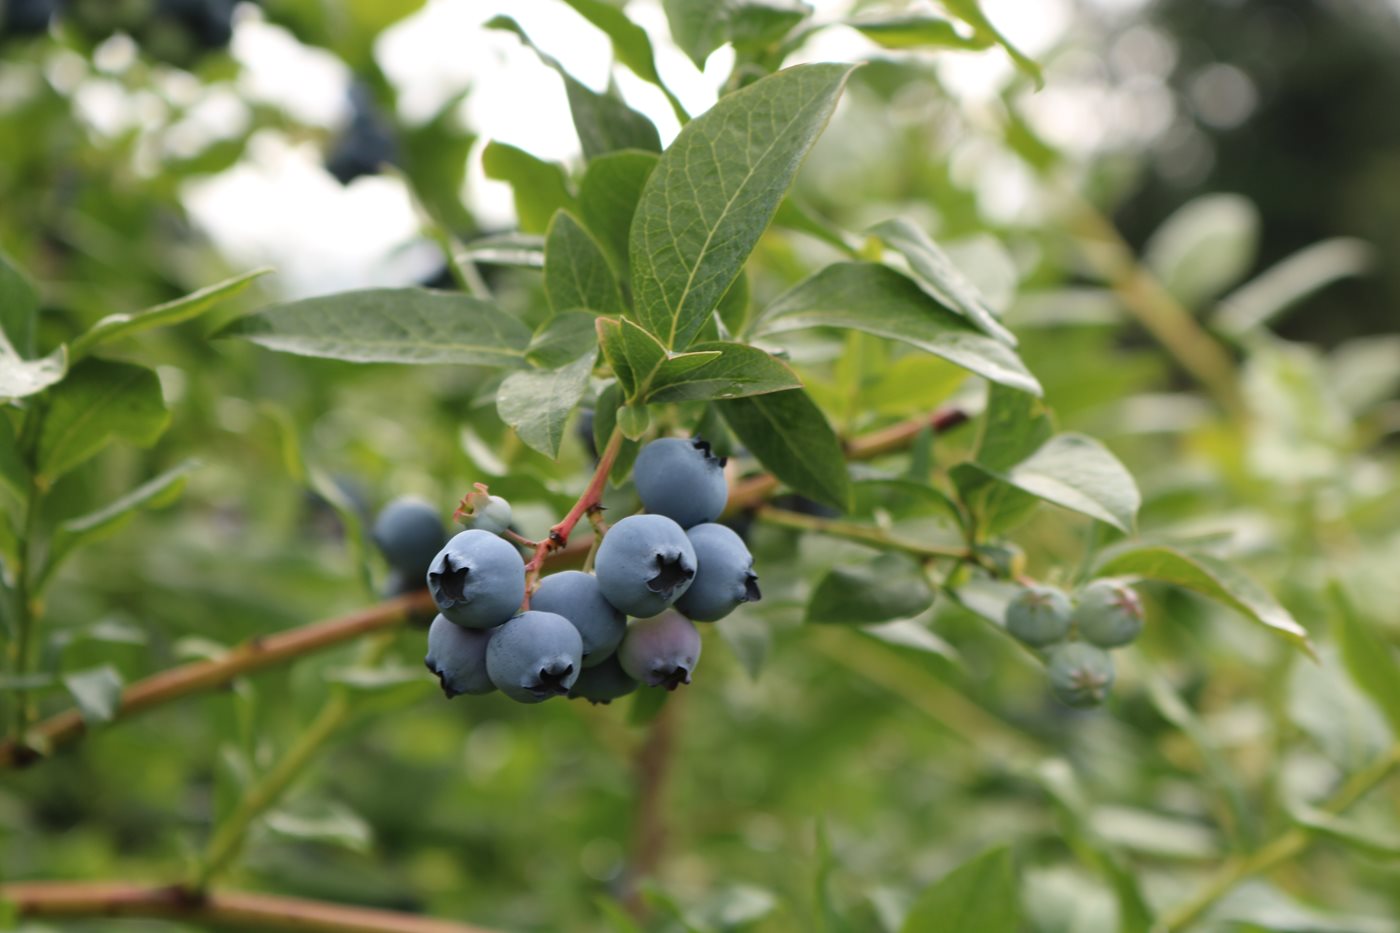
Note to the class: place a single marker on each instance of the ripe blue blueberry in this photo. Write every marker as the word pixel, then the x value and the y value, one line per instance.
pixel 458 657
pixel 1080 674
pixel 576 597
pixel 644 564
pixel 477 579
pixel 724 577
pixel 661 651
pixel 681 479
pixel 409 533
pixel 535 656
pixel 1038 615
pixel 1109 613
pixel 603 683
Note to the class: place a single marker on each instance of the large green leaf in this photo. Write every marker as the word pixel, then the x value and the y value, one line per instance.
pixel 19 304
pixel 1369 658
pixel 540 188
pixel 890 586
pixel 714 191
pixel 936 274
pixel 607 200
pixel 390 325
pixel 576 274
pixel 739 370
pixel 100 401
pixel 20 377
pixel 790 436
pixel 630 43
pixel 981 894
pixel 1208 576
pixel 878 300
pixel 537 403
pixel 116 326
pixel 1079 473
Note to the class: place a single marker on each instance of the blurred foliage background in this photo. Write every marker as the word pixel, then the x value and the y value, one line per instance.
pixel 817 776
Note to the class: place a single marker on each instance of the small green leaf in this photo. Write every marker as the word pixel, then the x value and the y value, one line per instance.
pixel 1014 426
pixel 1079 473
pixel 100 401
pixel 1363 837
pixel 540 188
pixel 891 586
pixel 20 378
pixel 634 421
pixel 116 326
pixel 790 436
pixel 607 199
pixel 562 339
pixel 85 529
pixel 1206 246
pixel 1266 296
pixel 936 275
pixel 537 403
pixel 97 691
pixel 878 300
pixel 732 370
pixel 1208 576
pixel 981 894
pixel 633 354
pixel 390 325
pixel 714 191
pixel 1368 657
pixel 576 274
pixel 757 25
pixel 698 26
pixel 917 31
pixel 19 306
pixel 525 250
pixel 322 821
pixel 630 43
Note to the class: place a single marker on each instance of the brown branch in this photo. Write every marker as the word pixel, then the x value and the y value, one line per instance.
pixel 249 657
pixel 228 909
pixel 653 766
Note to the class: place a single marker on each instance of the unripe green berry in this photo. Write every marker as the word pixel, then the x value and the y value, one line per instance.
pixel 1080 674
pixel 1038 615
pixel 1109 613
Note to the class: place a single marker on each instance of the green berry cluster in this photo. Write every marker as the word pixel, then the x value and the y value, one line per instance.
pixel 1076 633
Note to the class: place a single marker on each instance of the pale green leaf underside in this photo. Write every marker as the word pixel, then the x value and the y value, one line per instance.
pixel 714 191
pixel 390 325
pixel 879 300
pixel 537 403
pixel 1079 473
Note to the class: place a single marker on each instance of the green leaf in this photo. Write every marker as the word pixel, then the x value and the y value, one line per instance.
pixel 116 326
pixel 1207 245
pixel 633 354
pixel 1278 288
pixel 540 188
pixel 607 199
pixel 525 250
pixel 97 691
pixel 603 122
pixel 996 506
pixel 756 25
pixel 631 45
pixel 605 412
pixel 981 894
pixel 390 325
pixel 698 26
pixel 20 377
pixel 970 12
pixel 891 586
pixel 13 473
pixel 732 370
pixel 790 436
pixel 537 403
pixel 19 306
pixel 563 338
pixel 634 420
pixel 1208 576
pixel 1369 658
pixel 936 275
pixel 1079 473
pixel 100 401
pixel 1014 426
pixel 1354 834
pixel 85 529
pixel 715 190
pixel 322 821
pixel 576 274
pixel 917 31
pixel 878 300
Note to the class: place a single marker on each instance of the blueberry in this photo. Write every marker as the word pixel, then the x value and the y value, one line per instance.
pixel 409 533
pixel 575 596
pixel 535 656
pixel 458 657
pixel 1080 674
pixel 1109 613
pixel 603 683
pixel 682 480
pixel 724 575
pixel 644 564
pixel 26 17
pixel 477 579
pixel 366 144
pixel 480 509
pixel 661 651
pixel 1038 615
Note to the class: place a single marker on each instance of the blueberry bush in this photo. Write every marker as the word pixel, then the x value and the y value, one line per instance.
pixel 1041 585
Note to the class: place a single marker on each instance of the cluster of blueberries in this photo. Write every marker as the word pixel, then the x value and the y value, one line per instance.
pixel 173 30
pixel 667 568
pixel 1075 633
